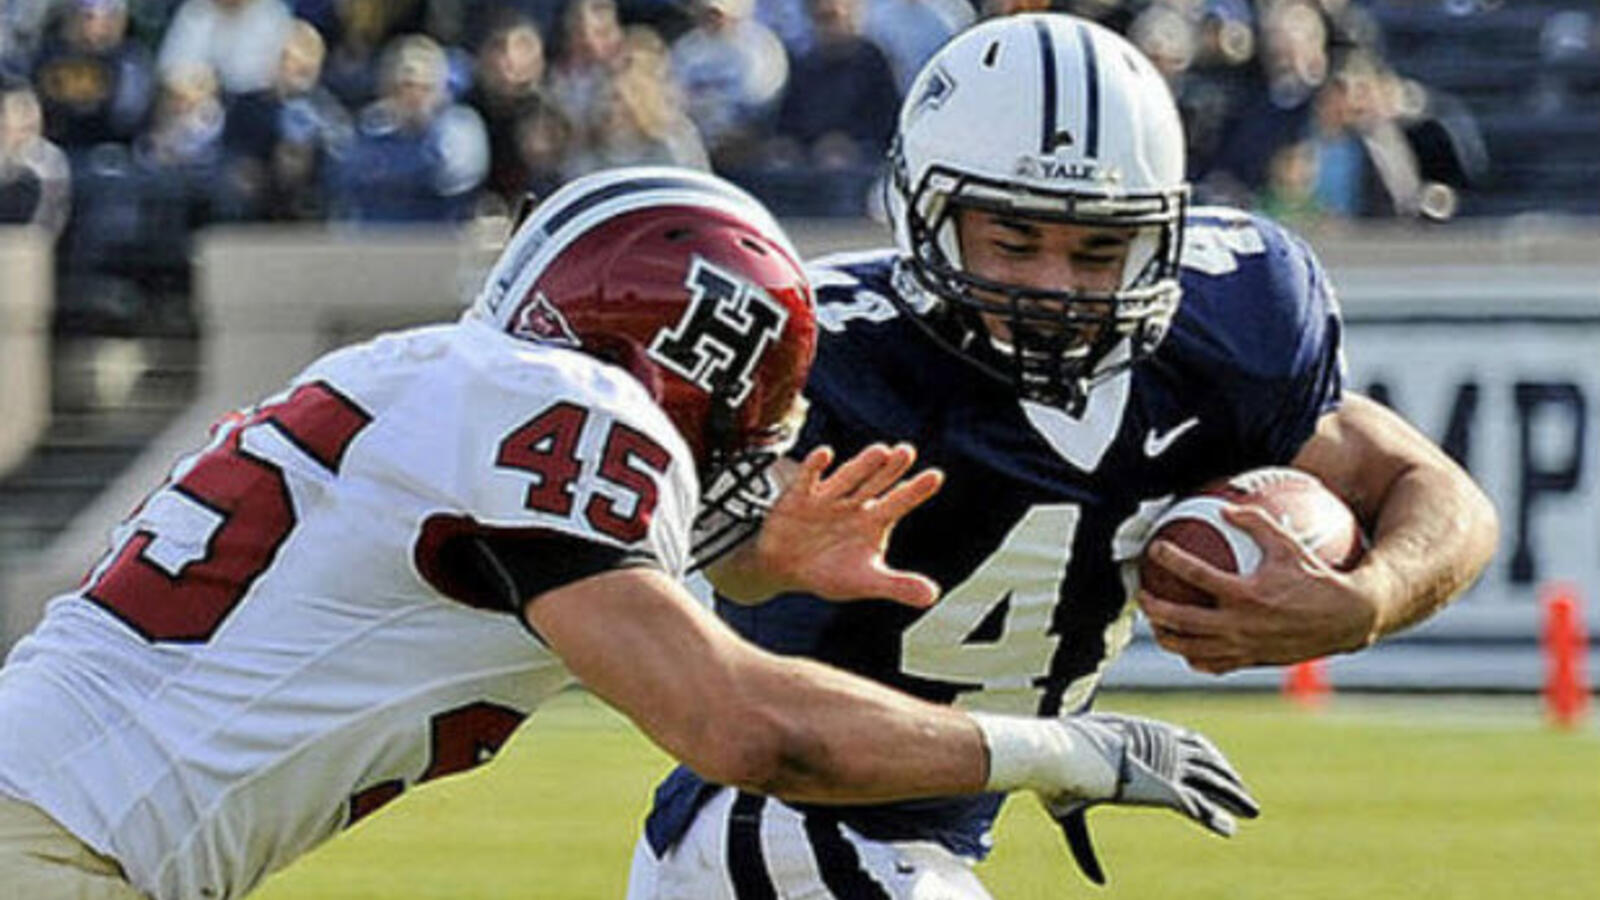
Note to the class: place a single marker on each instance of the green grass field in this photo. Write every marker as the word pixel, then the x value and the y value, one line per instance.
pixel 1372 798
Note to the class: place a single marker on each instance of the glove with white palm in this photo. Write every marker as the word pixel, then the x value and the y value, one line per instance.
pixel 1079 762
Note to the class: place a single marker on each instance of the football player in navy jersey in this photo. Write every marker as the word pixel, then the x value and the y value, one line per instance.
pixel 1073 346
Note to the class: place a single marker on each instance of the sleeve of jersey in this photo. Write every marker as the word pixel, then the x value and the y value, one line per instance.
pixel 1301 299
pixel 502 570
pixel 554 487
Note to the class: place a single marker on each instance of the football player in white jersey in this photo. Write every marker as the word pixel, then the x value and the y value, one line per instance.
pixel 1026 332
pixel 370 579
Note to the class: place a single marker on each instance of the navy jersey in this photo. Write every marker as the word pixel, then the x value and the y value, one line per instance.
pixel 1039 508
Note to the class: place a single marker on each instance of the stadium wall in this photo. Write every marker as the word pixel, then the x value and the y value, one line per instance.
pixel 25 289
pixel 1487 337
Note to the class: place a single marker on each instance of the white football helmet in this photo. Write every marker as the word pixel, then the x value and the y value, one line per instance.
pixel 1051 117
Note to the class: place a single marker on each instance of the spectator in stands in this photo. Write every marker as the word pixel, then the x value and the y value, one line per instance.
pixel 94 82
pixel 1218 79
pixel 641 118
pixel 186 130
pixel 131 243
pixel 13 63
pixel 351 68
pixel 544 139
pixel 733 70
pixel 482 18
pixel 840 107
pixel 1567 45
pixel 909 31
pixel 280 142
pixel 1294 44
pixel 1227 34
pixel 1351 29
pixel 239 39
pixel 23 24
pixel 591 53
pixel 1365 165
pixel 418 156
pixel 1290 194
pixel 1168 38
pixel 508 90
pixel 179 159
pixel 791 21
pixel 1337 156
pixel 1277 110
pixel 35 180
pixel 1445 135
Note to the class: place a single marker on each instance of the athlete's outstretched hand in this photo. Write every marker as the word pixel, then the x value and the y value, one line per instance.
pixel 1156 764
pixel 827 532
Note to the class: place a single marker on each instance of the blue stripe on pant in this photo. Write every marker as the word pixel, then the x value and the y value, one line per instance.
pixel 836 857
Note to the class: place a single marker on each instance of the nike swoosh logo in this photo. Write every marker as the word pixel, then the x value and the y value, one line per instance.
pixel 1157 442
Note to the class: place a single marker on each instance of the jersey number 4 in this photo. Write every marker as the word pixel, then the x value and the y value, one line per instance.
pixel 186 558
pixel 991 633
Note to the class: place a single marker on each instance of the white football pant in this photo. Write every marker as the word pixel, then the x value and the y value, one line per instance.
pixel 745 847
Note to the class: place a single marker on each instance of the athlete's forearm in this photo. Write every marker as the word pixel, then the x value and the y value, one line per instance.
pixel 1435 531
pixel 1432 528
pixel 740 715
pixel 845 739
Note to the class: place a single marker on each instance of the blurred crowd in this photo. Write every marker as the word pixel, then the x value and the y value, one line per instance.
pixel 126 124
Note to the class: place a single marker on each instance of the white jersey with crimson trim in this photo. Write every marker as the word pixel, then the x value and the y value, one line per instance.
pixel 261 659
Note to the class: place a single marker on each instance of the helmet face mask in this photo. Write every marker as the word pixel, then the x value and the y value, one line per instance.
pixel 1086 134
pixel 737 486
pixel 687 283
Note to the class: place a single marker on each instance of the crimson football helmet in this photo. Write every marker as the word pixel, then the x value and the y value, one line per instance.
pixel 689 284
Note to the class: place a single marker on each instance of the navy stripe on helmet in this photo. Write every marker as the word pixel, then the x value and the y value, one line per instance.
pixel 1091 141
pixel 1047 61
pixel 529 244
pixel 585 202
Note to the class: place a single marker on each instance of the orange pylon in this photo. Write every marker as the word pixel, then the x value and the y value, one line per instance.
pixel 1566 683
pixel 1306 683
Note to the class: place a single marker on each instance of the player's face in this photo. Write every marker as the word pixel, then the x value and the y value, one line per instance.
pixel 1039 255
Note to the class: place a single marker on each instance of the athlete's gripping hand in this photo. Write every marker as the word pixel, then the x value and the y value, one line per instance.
pixel 1079 762
pixel 827 532
pixel 1157 764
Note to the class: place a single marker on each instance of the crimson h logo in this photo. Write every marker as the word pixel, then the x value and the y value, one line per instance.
pixel 725 329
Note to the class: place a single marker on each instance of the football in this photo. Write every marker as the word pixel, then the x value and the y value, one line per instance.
pixel 1316 515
